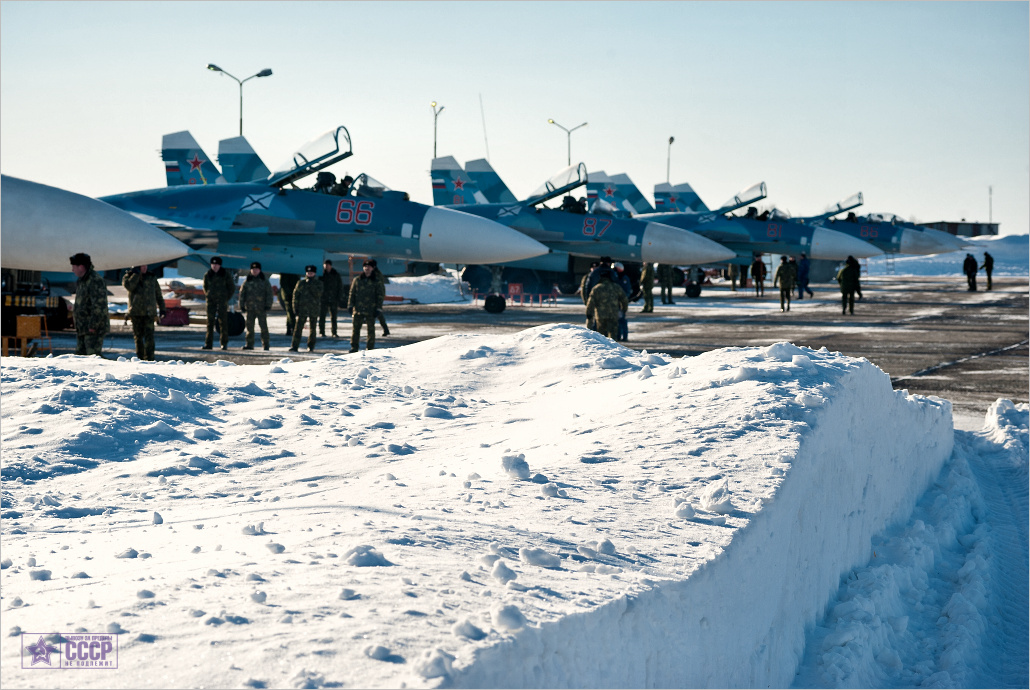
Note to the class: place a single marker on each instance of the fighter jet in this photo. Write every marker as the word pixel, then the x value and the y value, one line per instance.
pixel 886 231
pixel 572 234
pixel 287 228
pixel 747 234
pixel 43 226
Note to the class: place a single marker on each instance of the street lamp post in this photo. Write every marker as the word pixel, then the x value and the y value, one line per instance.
pixel 262 73
pixel 668 159
pixel 568 132
pixel 436 114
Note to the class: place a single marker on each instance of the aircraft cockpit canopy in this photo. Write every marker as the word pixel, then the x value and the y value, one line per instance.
pixel 883 218
pixel 319 153
pixel 750 195
pixel 561 183
pixel 366 186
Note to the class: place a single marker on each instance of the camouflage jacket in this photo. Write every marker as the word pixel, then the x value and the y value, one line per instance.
pixel 665 275
pixel 366 294
pixel 332 286
pixel 647 277
pixel 848 277
pixel 307 296
pixel 219 287
pixel 256 294
pixel 90 311
pixel 786 276
pixel 144 294
pixel 606 301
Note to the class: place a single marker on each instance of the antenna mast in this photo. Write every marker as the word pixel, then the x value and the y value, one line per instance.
pixel 482 113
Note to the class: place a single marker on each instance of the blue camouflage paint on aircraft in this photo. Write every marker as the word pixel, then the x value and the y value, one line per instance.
pixel 888 232
pixel 570 232
pixel 746 234
pixel 287 228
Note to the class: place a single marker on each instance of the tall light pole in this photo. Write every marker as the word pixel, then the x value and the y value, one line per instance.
pixel 668 159
pixel 262 73
pixel 569 133
pixel 436 114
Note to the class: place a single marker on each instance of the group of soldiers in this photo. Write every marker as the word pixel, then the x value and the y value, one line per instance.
pixel 306 300
pixel 969 268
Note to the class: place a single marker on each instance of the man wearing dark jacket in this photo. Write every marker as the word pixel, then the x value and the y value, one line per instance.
pixel 145 304
pixel 848 278
pixel 366 295
pixel 332 288
pixel 255 301
pixel 92 321
pixel 988 266
pixel 969 268
pixel 219 287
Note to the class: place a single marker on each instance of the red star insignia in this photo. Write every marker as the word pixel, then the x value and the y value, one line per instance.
pixel 608 191
pixel 196 162
pixel 672 200
pixel 459 183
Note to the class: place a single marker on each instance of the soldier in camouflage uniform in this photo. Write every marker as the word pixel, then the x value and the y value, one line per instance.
pixel 665 282
pixel 366 295
pixel 145 303
pixel 255 301
pixel 786 277
pixel 92 321
pixel 307 300
pixel 332 288
pixel 378 275
pixel 219 287
pixel 605 303
pixel 647 287
pixel 287 284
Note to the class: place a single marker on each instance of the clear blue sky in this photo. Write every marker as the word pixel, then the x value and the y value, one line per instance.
pixel 919 105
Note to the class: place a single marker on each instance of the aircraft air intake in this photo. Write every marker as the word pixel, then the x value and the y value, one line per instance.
pixel 668 245
pixel 450 236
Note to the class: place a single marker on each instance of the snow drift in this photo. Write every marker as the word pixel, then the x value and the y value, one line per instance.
pixel 541 509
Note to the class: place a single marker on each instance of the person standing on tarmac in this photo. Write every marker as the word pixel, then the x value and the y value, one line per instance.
pixel 366 295
pixel 758 275
pixel 848 278
pixel 332 288
pixel 92 321
pixel 145 304
pixel 219 287
pixel 988 266
pixel 647 287
pixel 379 310
pixel 607 300
pixel 664 272
pixel 287 284
pixel 969 268
pixel 307 299
pixel 623 281
pixel 786 275
pixel 804 265
pixel 256 300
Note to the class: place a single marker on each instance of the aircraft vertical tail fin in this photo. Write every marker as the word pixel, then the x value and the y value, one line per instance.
pixel 451 185
pixel 489 182
pixel 631 194
pixel 185 162
pixel 604 196
pixel 240 162
pixel 679 198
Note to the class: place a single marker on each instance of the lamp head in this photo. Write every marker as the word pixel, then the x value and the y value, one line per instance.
pixel 214 68
pixel 264 73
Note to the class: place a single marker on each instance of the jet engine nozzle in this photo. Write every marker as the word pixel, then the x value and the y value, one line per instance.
pixel 450 236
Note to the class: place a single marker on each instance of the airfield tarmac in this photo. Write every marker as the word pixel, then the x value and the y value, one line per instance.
pixel 930 334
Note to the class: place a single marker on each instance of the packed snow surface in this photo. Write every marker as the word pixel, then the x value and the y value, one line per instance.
pixel 1011 258
pixel 546 508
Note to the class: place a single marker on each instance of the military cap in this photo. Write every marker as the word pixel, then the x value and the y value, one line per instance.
pixel 80 259
pixel 216 260
pixel 255 264
pixel 310 268
pixel 370 262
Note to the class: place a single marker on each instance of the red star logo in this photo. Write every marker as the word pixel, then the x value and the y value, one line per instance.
pixel 196 162
pixel 459 183
pixel 608 191
pixel 672 199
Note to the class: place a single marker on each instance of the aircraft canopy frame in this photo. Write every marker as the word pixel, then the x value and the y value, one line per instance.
pixel 321 152
pixel 560 183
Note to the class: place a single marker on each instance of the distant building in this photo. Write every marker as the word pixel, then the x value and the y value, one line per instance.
pixel 963 228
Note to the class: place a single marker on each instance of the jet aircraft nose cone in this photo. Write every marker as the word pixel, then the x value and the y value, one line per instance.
pixel 450 236
pixel 668 245
pixel 830 244
pixel 44 225
pixel 938 242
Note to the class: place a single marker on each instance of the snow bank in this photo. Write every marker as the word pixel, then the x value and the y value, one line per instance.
pixel 571 512
pixel 1011 258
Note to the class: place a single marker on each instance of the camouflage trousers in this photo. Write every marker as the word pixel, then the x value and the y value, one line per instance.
pixel 298 328
pixel 608 327
pixel 332 309
pixel 143 334
pixel 262 321
pixel 89 344
pixel 785 294
pixel 355 331
pixel 648 299
pixel 221 313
